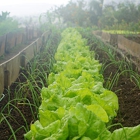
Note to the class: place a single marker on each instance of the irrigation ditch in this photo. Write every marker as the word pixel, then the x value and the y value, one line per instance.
pixel 20 105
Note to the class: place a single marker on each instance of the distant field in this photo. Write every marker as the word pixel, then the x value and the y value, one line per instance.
pixel 120 32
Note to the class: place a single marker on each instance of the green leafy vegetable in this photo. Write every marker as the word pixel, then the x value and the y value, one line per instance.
pixel 75 105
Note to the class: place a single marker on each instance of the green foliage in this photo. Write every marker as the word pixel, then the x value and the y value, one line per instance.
pixel 73 13
pixel 95 11
pixel 50 21
pixel 121 16
pixel 7 24
pixel 4 15
pixel 81 12
pixel 124 32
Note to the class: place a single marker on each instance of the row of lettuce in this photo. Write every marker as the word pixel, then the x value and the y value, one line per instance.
pixel 75 105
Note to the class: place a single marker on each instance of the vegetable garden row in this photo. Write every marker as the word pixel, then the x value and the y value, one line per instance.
pixel 75 105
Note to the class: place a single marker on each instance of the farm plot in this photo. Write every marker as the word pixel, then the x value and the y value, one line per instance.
pixel 75 102
pixel 72 110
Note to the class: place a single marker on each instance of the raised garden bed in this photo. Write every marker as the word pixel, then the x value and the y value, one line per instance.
pixel 135 38
pixel 18 107
pixel 126 89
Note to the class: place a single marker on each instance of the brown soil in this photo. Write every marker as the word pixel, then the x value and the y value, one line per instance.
pixel 13 116
pixel 127 92
pixel 134 38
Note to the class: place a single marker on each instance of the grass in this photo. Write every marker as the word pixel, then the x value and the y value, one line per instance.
pixel 1 97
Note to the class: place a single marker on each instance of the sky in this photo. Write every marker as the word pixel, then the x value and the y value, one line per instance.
pixel 13 2
pixel 28 7
pixel 33 7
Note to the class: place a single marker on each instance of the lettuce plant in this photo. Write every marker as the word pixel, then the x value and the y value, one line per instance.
pixel 75 105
